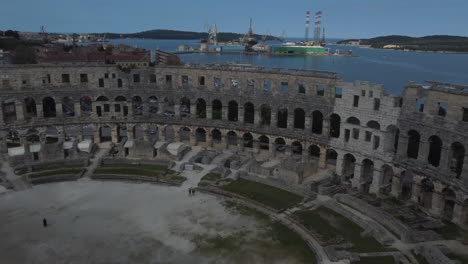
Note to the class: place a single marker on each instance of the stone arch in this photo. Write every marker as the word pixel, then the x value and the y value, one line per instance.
pixel 86 105
pixel 153 132
pixel 87 131
pixel 435 149
pixel 265 115
pixel 449 198
pixel 102 98
pixel 299 118
pixel 282 118
pixel 217 110
pixel 248 140
pixel 68 106
pixel 335 125
pixel 280 145
pixel 120 98
pixel 9 110
pixel 456 158
pixel 314 152
pixel 353 120
pixel 51 135
pixel 32 136
pixel 296 148
pixel 233 111
pixel 387 180
pixel 184 107
pixel 184 134
pixel 427 191
pixel 406 181
pixel 331 157
pixel 137 105
pixel 12 139
pixel 121 132
pixel 367 175
pixel 153 104
pixel 201 108
pixel 249 113
pixel 373 124
pixel 317 122
pixel 48 107
pixel 349 166
pixel 216 136
pixel 232 138
pixel 200 134
pixel 30 108
pixel 264 142
pixel 168 107
pixel 413 144
pixel 105 134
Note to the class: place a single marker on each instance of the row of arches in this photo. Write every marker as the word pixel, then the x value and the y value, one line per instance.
pixel 456 154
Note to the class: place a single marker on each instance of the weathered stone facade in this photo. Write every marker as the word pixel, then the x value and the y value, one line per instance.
pixel 375 142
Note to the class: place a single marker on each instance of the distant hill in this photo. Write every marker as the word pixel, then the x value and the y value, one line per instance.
pixel 176 34
pixel 427 43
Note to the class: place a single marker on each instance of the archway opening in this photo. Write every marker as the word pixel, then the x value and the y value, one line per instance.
pixel 200 134
pixel 232 138
pixel 217 110
pixel 335 123
pixel 435 148
pixel 48 107
pixel 296 148
pixel 201 108
pixel 248 140
pixel 30 107
pixel 282 118
pixel 457 157
pixel 216 135
pixel 68 106
pixel 299 118
pixel 185 134
pixel 249 113
pixel 413 144
pixel 280 145
pixel 317 122
pixel 264 142
pixel 233 109
pixel 265 115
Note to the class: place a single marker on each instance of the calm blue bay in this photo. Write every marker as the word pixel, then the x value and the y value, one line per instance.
pixel 393 69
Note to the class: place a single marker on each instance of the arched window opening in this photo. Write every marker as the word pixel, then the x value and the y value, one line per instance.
pixel 265 115
pixel 349 164
pixel 387 179
pixel 201 108
pixel 30 107
pixel 68 106
pixel 184 107
pixel 406 180
pixel 216 135
pixel 153 105
pixel 48 107
pixel 86 105
pixel 373 124
pixel 168 107
pixel 413 144
pixel 299 118
pixel 249 113
pixel 449 203
pixel 232 138
pixel 280 145
pixel 332 156
pixel 233 109
pixel 354 121
pixel 435 148
pixel 137 104
pixel 367 175
pixel 105 134
pixel 317 122
pixel 51 135
pixel 248 140
pixel 264 142
pixel 200 135
pixel 282 118
pixel 138 132
pixel 427 190
pixel 314 152
pixel 217 110
pixel 184 134
pixel 296 148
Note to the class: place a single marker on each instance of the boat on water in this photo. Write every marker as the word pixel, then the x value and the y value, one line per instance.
pixel 304 47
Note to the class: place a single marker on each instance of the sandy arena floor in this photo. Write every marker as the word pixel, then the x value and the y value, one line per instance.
pixel 114 222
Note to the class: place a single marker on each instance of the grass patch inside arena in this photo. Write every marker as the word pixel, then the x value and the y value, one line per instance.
pixel 58 167
pixel 157 172
pixel 461 258
pixel 280 233
pixel 333 228
pixel 262 193
pixel 55 173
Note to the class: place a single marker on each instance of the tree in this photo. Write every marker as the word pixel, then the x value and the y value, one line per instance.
pixel 11 33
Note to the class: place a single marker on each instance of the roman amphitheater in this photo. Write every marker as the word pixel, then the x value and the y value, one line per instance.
pixel 393 165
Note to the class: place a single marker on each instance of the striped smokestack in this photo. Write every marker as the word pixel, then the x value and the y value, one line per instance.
pixel 307 25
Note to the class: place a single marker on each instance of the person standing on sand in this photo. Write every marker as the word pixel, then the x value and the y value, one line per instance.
pixel 44 222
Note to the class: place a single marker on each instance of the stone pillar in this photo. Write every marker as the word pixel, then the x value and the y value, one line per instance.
pixel 376 181
pixel 415 191
pixel 272 149
pixel 209 139
pixel 402 146
pixel 356 180
pixel 444 163
pixel 96 135
pixel 19 111
pixel 130 109
pixel 226 141
pixel 464 173
pixel 241 114
pixel 274 120
pixel 1 115
pixel 3 146
pixel 458 215
pixel 115 133
pixel 39 111
pixel 193 138
pixel 325 127
pixel 339 164
pixel 209 112
pixel 290 121
pixel 177 134
pixel 224 113
pixel 396 187
pixel 160 108
pixel 58 110
pixel 240 144
pixel 423 151
pixel 257 117
pixel 130 134
pixel 146 136
pixel 193 110
pixel 77 108
pixel 177 110
pixel 308 124
pixel 438 203
pixel 323 158
pixel 61 133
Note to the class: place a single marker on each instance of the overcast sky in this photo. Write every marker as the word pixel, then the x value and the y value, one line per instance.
pixel 342 18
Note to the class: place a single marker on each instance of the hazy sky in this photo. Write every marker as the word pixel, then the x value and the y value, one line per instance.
pixel 342 18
